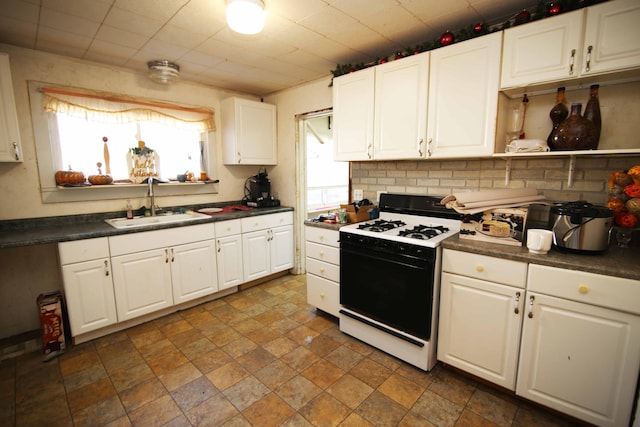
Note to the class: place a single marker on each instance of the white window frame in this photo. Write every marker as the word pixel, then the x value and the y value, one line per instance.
pixel 47 153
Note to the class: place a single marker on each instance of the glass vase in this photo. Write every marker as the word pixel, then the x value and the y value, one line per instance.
pixel 575 133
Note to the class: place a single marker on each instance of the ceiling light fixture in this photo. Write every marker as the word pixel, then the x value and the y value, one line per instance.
pixel 245 16
pixel 164 72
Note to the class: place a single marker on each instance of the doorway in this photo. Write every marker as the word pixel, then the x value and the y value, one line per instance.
pixel 323 184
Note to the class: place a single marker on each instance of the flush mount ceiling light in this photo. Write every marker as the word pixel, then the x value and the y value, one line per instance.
pixel 245 16
pixel 164 72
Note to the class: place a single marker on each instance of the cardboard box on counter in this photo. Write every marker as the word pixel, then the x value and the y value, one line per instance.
pixel 505 226
pixel 363 213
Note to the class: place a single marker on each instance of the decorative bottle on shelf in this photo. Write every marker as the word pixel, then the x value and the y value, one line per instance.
pixel 575 133
pixel 592 110
pixel 558 114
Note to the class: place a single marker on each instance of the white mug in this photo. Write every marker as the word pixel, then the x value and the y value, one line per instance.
pixel 539 241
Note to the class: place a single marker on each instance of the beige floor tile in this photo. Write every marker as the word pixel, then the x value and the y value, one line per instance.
pixel 183 374
pixel 323 373
pixel 190 395
pixel 492 408
pixel 350 391
pixel 227 375
pixel 270 411
pixel 256 359
pixel 141 394
pixel 402 390
pixel 381 410
pixel 124 379
pixel 101 413
pixel 214 411
pixel 436 409
pixel 298 391
pixel 325 410
pixel 370 372
pixel 90 394
pixel 156 412
pixel 245 392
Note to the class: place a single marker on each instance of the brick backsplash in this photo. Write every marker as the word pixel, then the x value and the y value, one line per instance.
pixel 440 178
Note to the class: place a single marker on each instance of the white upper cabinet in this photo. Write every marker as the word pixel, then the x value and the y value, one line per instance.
pixel 353 107
pixel 463 98
pixel 611 37
pixel 248 132
pixel 598 39
pixel 10 149
pixel 400 124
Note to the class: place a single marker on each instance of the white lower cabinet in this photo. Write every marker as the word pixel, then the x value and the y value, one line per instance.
pixel 481 301
pixel 229 253
pixel 580 352
pixel 88 288
pixel 323 268
pixel 574 337
pixel 157 269
pixel 267 244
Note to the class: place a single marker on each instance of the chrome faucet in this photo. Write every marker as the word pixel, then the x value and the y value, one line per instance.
pixel 152 198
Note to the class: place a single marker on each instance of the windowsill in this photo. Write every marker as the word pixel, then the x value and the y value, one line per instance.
pixel 59 193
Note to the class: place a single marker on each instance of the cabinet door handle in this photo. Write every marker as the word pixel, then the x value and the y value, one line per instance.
pixel 369 152
pixel 16 152
pixel 429 141
pixel 166 256
pixel 572 61
pixel 173 257
pixel 420 147
pixel 583 289
pixel 239 157
pixel 218 245
pixel 588 64
pixel 516 309
pixel 531 299
pixel 479 268
pixel 106 267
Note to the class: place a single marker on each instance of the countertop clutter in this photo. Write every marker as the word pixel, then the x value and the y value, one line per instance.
pixel 16 233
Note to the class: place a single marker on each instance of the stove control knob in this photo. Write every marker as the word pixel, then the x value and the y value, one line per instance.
pixel 479 268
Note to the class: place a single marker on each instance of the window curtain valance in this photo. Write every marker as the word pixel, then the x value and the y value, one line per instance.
pixel 110 108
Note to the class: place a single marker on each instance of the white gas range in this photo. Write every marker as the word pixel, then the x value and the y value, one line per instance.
pixel 390 276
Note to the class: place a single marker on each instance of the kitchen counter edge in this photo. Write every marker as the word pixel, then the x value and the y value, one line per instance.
pixel 619 262
pixel 67 230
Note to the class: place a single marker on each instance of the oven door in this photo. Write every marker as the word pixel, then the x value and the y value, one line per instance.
pixel 389 284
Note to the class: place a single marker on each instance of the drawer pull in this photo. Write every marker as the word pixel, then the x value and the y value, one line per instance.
pixel 321 253
pixel 322 295
pixel 322 270
pixel 583 289
pixel 479 268
pixel 106 268
pixel 516 310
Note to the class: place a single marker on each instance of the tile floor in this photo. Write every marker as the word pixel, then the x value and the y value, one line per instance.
pixel 261 357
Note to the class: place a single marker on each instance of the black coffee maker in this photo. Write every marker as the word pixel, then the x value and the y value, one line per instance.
pixel 257 191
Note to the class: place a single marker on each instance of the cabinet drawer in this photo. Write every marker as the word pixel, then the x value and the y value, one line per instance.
pixel 323 253
pixel 146 240
pixel 83 250
pixel 323 269
pixel 228 228
pixel 262 222
pixel 323 294
pixel 323 236
pixel 596 289
pixel 483 267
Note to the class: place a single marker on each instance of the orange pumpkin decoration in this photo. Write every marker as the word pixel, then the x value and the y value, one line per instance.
pixel 69 177
pixel 632 190
pixel 100 179
pixel 633 206
pixel 616 205
pixel 634 173
pixel 626 219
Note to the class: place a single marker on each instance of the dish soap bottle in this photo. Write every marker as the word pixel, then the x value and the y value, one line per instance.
pixel 129 210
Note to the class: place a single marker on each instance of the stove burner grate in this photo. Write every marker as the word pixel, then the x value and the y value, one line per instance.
pixel 381 225
pixel 423 232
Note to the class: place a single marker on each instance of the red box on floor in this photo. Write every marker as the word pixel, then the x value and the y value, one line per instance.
pixel 52 324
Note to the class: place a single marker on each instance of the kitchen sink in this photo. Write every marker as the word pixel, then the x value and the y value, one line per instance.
pixel 145 221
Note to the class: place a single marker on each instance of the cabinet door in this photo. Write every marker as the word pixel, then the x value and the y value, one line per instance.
pixel 611 37
pixel 89 295
pixel 10 150
pixel 142 283
pixel 479 329
pixel 401 108
pixel 542 51
pixel 193 271
pixel 353 97
pixel 249 132
pixel 255 255
pixel 463 98
pixel 229 260
pixel 579 359
pixel 281 248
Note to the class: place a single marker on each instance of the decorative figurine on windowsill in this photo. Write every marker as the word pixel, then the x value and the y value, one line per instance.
pixel 143 162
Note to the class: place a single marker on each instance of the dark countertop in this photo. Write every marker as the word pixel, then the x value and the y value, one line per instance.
pixel 327 225
pixel 620 262
pixel 15 233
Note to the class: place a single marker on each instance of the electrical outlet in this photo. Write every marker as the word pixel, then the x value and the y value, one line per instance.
pixel 357 195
